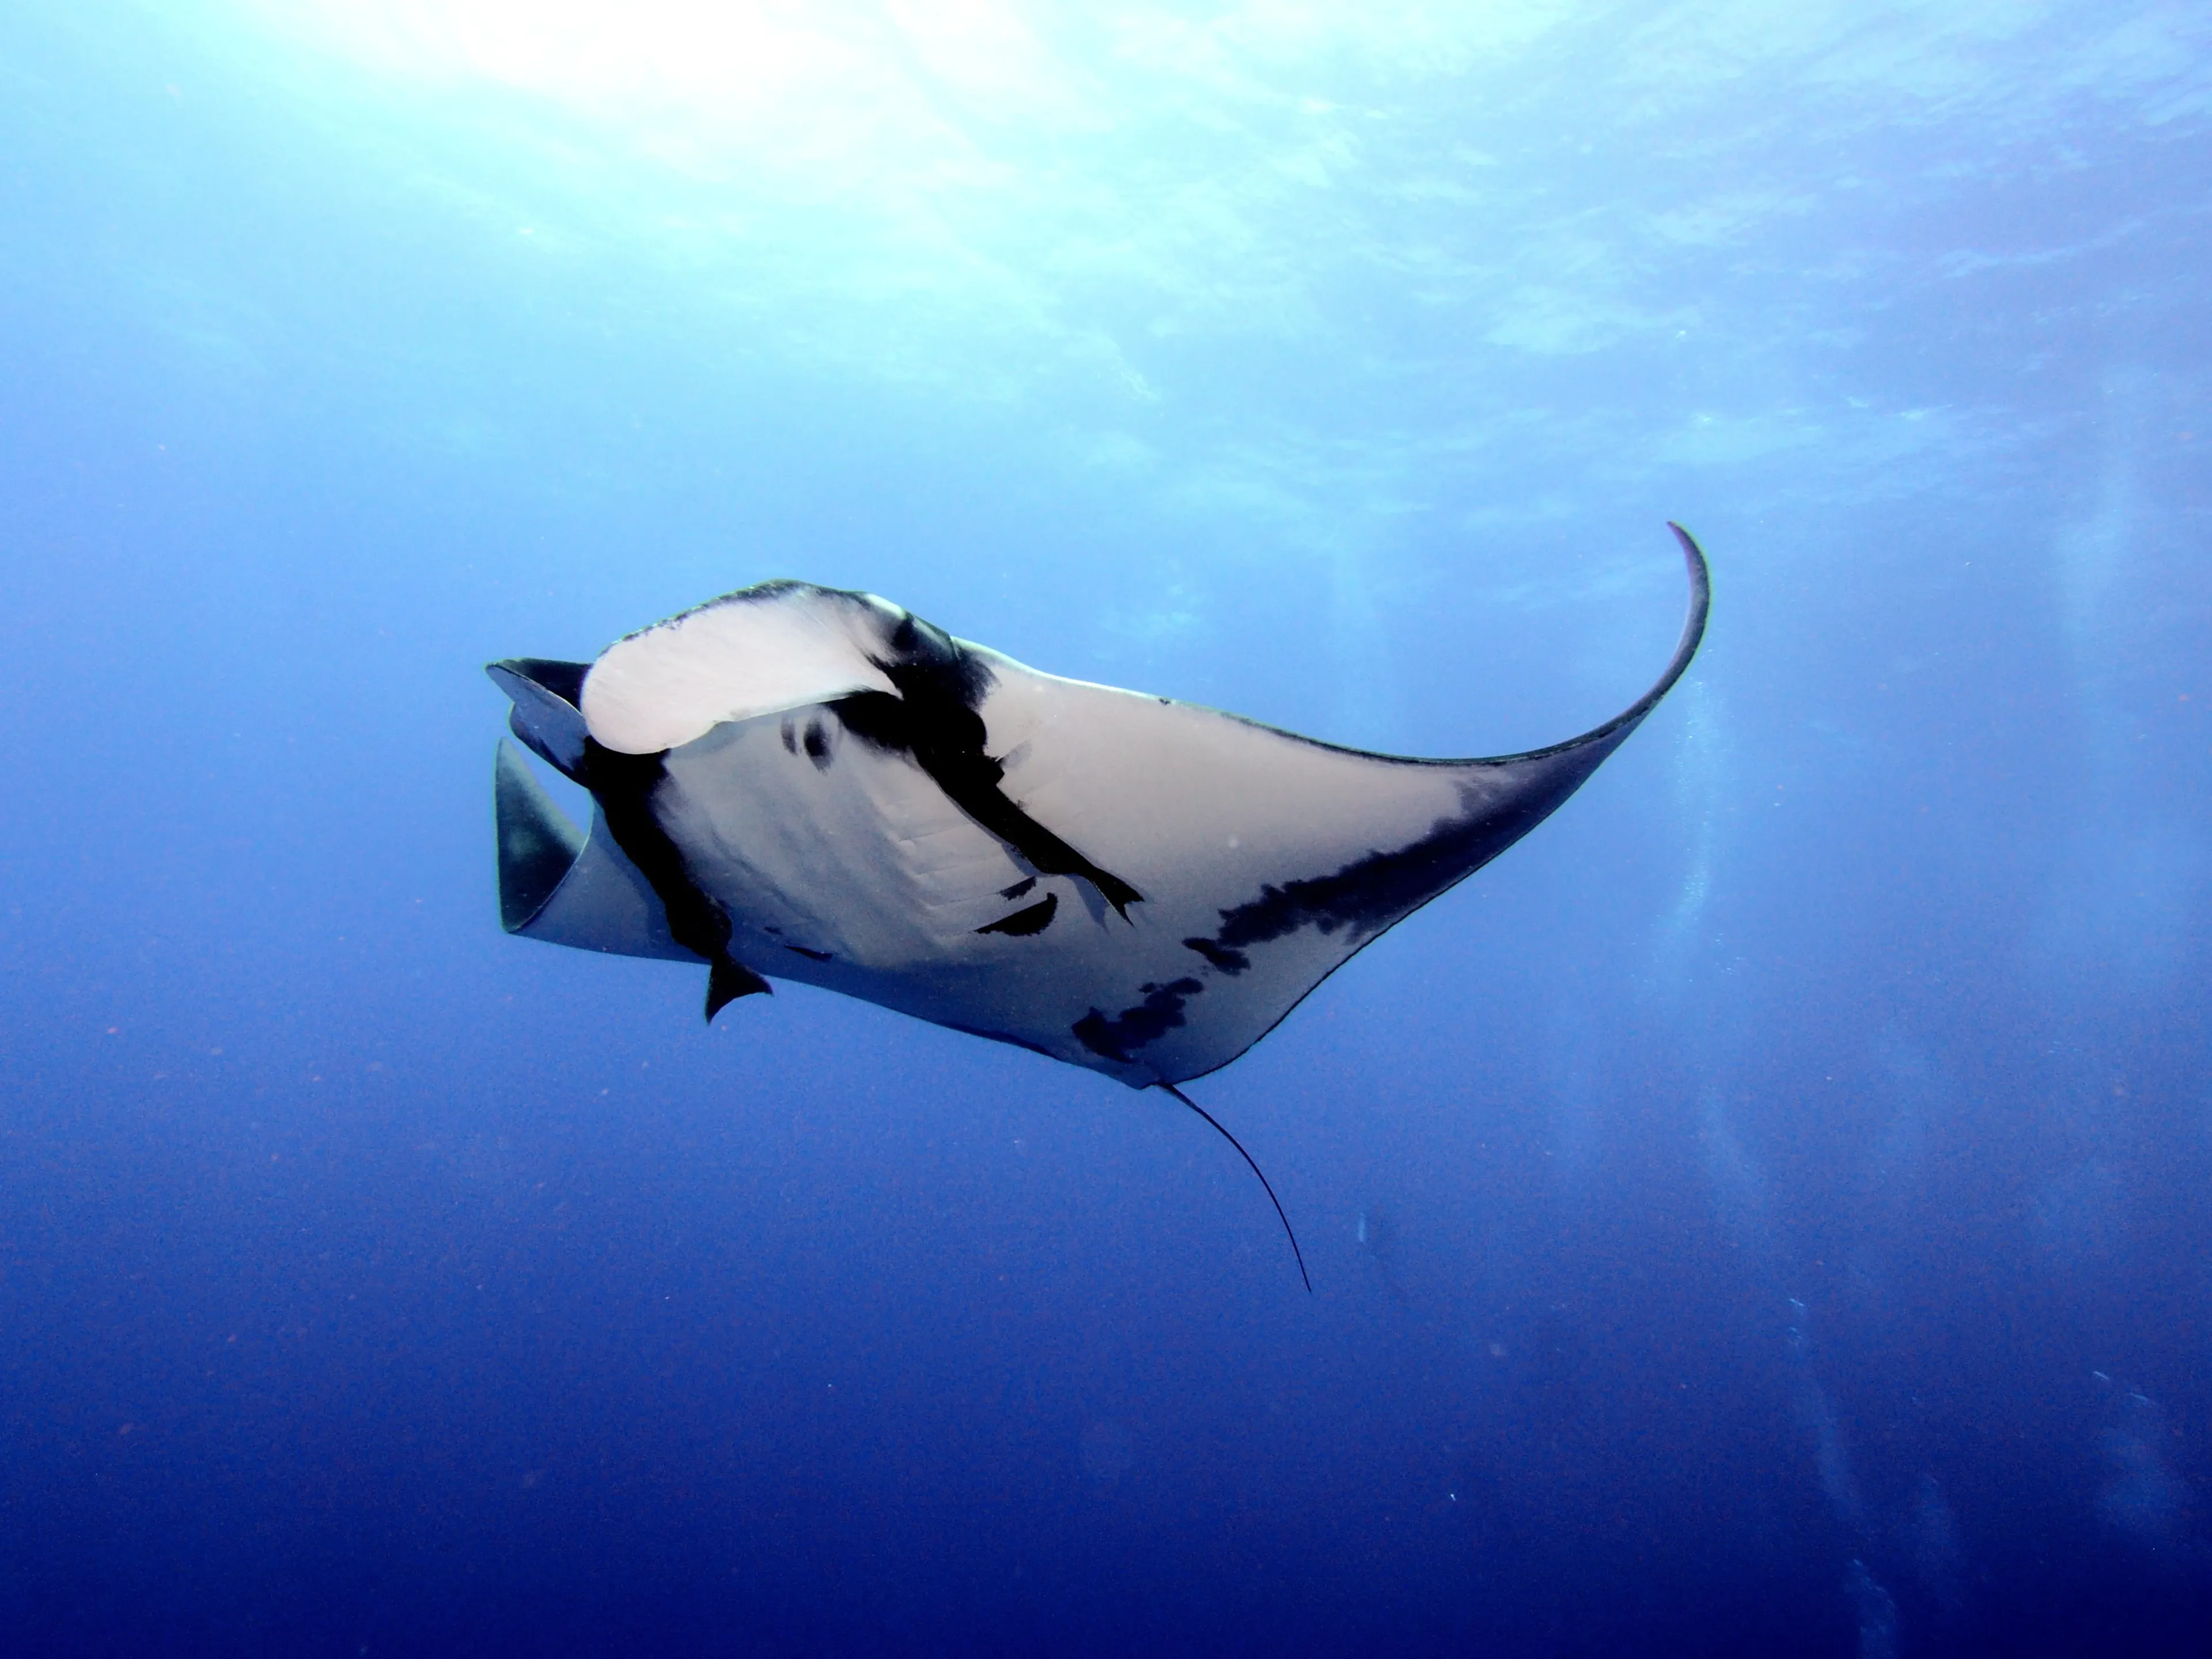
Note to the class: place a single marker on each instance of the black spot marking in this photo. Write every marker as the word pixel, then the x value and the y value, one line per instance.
pixel 1160 1012
pixel 818 745
pixel 1022 923
pixel 790 737
pixel 812 955
pixel 1018 887
pixel 1228 960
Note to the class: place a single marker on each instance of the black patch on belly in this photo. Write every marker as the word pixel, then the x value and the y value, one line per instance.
pixel 1160 1012
pixel 934 719
pixel 812 955
pixel 624 786
pixel 1018 887
pixel 1369 893
pixel 1022 923
pixel 1230 961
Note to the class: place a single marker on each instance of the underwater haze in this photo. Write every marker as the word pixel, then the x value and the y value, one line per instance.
pixel 1768 1211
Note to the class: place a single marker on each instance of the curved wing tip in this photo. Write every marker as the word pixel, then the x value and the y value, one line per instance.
pixel 1686 647
pixel 1693 553
pixel 1701 575
pixel 1693 624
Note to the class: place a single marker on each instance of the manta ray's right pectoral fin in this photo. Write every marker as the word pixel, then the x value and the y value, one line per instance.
pixel 560 886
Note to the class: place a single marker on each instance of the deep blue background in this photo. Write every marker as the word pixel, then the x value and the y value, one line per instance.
pixel 1786 1174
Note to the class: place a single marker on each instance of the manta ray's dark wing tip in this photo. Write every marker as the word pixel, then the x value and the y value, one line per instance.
pixel 1694 632
pixel 1693 624
pixel 1601 741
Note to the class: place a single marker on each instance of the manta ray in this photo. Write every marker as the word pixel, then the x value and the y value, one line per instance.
pixel 810 783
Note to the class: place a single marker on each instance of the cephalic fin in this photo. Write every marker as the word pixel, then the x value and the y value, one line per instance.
pixel 537 845
pixel 544 715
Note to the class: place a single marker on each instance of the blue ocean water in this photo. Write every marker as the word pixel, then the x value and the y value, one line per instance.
pixel 1766 1211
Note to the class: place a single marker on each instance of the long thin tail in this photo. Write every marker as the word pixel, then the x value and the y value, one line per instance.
pixel 1256 1171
